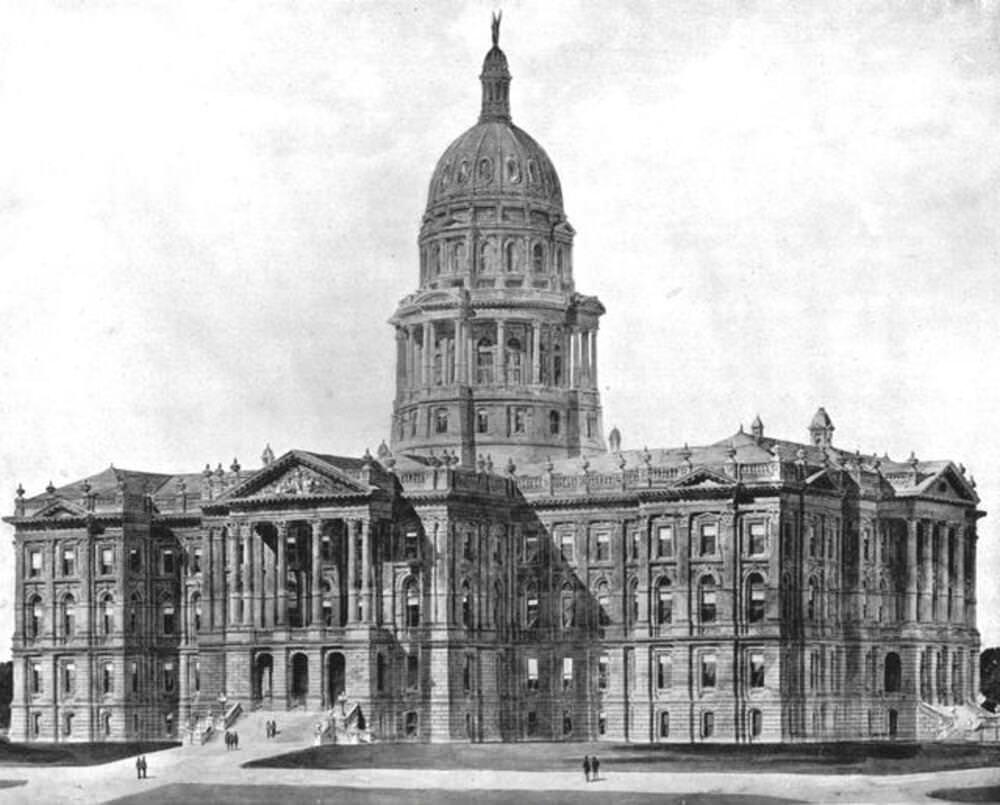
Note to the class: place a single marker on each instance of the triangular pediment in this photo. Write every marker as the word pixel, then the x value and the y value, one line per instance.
pixel 702 477
pixel 296 475
pixel 949 483
pixel 60 509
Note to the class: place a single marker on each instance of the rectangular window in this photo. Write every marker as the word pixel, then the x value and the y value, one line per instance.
pixel 441 420
pixel 532 726
pixel 69 561
pixel 36 724
pixel 603 551
pixel 69 678
pixel 756 669
pixel 168 677
pixel 709 538
pixel 567 722
pixel 532 673
pixel 107 678
pixel 482 421
pixel 35 565
pixel 196 561
pixel 664 724
pixel 134 560
pixel 411 543
pixel 567 673
pixel 107 561
pixel 603 672
pixel 467 674
pixel 197 676
pixel 602 723
pixel 708 670
pixel 68 724
pixel 412 671
pixel 707 725
pixel 168 563
pixel 665 541
pixel 134 676
pixel 566 546
pixel 410 723
pixel 36 678
pixel 635 544
pixel 867 544
pixel 758 538
pixel 531 613
pixel 530 546
pixel 664 670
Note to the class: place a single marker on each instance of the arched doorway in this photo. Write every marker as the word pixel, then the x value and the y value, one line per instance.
pixel 263 671
pixel 335 677
pixel 300 679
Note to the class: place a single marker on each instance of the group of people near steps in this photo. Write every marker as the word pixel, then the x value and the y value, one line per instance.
pixel 232 739
pixel 591 768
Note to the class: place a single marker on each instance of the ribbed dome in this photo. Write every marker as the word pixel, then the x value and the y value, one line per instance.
pixel 495 159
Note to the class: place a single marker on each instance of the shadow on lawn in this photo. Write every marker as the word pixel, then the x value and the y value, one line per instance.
pixel 82 754
pixel 831 758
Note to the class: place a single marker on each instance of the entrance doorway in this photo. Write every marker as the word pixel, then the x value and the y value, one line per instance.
pixel 263 674
pixel 335 677
pixel 300 679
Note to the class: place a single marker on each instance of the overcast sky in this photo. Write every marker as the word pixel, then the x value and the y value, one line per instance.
pixel 208 210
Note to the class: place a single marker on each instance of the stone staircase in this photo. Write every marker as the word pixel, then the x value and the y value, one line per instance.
pixel 294 726
pixel 960 722
pixel 343 724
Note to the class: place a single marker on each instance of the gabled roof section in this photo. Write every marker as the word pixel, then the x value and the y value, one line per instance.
pixel 59 509
pixel 299 474
pixel 825 480
pixel 943 482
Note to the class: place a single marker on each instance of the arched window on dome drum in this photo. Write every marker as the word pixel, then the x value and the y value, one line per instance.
pixel 436 252
pixel 557 362
pixel 510 256
pixel 438 364
pixel 484 361
pixel 538 258
pixel 514 362
pixel 466 605
pixel 411 598
pixel 107 615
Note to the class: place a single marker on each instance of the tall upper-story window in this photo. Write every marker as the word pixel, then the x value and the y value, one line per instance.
pixel 107 562
pixel 169 624
pixel 168 562
pixel 35 615
pixel 484 361
pixel 756 598
pixel 567 543
pixel 514 359
pixel 553 423
pixel 538 258
pixel 664 602
pixel 441 420
pixel 69 561
pixel 482 421
pixel 107 615
pixel 69 616
pixel 411 596
pixel 758 538
pixel 708 544
pixel 603 545
pixel 35 564
pixel 708 600
pixel 665 541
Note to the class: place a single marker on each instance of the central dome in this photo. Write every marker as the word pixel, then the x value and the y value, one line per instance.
pixel 495 159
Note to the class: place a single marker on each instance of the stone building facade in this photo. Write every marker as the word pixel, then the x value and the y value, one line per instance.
pixel 499 572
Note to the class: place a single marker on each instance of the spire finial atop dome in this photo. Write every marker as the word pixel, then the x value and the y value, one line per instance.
pixel 496 80
pixel 495 25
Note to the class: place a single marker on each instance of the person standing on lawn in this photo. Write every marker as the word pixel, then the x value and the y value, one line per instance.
pixel 595 764
pixel 586 768
pixel 144 766
pixel 138 767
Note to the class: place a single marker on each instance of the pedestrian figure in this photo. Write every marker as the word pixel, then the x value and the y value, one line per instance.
pixel 138 767
pixel 586 768
pixel 267 730
pixel 236 740
pixel 144 766
pixel 229 740
pixel 595 764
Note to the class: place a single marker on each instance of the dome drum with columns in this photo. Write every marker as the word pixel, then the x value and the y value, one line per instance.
pixel 497 353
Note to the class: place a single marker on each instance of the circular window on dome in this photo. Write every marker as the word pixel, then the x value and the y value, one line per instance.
pixel 513 171
pixel 532 172
pixel 486 169
pixel 463 172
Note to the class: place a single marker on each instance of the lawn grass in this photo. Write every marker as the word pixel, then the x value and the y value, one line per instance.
pixel 827 758
pixel 985 793
pixel 184 793
pixel 75 754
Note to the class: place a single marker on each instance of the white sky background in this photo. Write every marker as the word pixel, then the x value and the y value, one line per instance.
pixel 208 211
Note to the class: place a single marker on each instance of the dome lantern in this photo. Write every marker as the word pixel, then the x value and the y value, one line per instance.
pixel 496 80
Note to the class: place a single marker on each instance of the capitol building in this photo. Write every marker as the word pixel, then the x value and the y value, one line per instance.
pixel 502 568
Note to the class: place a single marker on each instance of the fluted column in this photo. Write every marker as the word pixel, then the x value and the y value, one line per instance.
pixel 366 572
pixel 428 353
pixel 593 358
pixel 460 362
pixel 317 591
pixel 932 666
pixel 410 353
pixel 247 571
pixel 352 571
pixel 536 347
pixel 281 577
pixel 912 594
pixel 260 603
pixel 231 571
pixel 958 580
pixel 400 359
pixel 574 359
pixel 970 587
